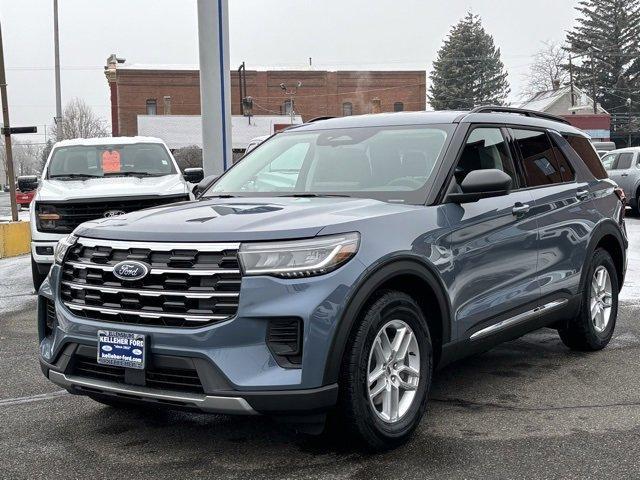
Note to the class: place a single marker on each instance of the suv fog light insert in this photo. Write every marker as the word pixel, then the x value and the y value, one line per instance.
pixel 298 258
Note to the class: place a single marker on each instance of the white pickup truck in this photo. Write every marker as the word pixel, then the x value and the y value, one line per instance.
pixel 85 179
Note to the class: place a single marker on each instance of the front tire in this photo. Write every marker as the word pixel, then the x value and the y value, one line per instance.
pixel 386 372
pixel 593 327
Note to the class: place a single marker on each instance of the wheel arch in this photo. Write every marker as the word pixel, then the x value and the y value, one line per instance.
pixel 409 274
pixel 607 235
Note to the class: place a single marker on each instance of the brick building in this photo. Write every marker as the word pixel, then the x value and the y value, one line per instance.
pixel 164 90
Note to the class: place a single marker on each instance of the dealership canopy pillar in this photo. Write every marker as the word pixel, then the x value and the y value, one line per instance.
pixel 215 85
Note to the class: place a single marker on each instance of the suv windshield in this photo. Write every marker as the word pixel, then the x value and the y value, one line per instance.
pixel 82 161
pixel 388 163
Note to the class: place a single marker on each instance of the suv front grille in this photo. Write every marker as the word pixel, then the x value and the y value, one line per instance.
pixel 188 285
pixel 71 214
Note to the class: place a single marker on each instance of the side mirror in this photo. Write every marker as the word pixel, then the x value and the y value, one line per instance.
pixel 28 183
pixel 193 175
pixel 482 184
pixel 204 184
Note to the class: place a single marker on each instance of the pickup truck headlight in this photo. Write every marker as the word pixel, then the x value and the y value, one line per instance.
pixel 62 246
pixel 298 258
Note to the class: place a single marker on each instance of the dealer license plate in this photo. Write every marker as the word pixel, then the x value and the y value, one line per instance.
pixel 121 349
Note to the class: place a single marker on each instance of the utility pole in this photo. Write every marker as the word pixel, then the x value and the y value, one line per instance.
pixel 573 94
pixel 593 84
pixel 7 134
pixel 629 121
pixel 56 44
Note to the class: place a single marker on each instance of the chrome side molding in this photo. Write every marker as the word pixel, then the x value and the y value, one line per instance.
pixel 520 318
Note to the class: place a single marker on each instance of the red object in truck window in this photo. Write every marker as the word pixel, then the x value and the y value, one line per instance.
pixel 111 161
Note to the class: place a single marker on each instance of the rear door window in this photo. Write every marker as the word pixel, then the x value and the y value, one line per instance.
pixel 538 160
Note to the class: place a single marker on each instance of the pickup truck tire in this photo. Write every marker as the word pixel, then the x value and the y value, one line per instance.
pixel 589 331
pixel 635 205
pixel 362 362
pixel 38 278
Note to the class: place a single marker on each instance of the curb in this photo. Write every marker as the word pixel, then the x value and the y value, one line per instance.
pixel 15 239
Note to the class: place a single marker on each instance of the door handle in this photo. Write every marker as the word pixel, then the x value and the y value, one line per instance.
pixel 520 208
pixel 582 194
pixel 624 174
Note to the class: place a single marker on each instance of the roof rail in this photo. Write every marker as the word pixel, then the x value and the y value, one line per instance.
pixel 317 119
pixel 520 111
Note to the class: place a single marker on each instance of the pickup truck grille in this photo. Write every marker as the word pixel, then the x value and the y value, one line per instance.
pixel 72 214
pixel 188 285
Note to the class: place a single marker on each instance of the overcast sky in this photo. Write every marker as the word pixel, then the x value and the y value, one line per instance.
pixel 345 34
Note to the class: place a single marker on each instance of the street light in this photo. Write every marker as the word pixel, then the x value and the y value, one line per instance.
pixel 291 93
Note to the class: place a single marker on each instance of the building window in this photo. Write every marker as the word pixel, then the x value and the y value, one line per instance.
pixel 398 107
pixel 286 107
pixel 347 109
pixel 152 106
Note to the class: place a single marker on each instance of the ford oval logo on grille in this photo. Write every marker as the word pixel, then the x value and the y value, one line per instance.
pixel 130 270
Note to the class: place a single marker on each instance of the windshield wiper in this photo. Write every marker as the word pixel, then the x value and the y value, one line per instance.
pixel 222 195
pixel 313 195
pixel 74 175
pixel 134 174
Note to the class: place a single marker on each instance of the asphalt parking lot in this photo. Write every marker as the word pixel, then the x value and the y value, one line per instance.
pixel 528 409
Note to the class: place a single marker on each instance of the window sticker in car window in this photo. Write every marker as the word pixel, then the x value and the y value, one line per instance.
pixel 545 166
pixel 111 161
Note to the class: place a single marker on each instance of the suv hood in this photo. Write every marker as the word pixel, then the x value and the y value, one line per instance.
pixel 59 190
pixel 238 219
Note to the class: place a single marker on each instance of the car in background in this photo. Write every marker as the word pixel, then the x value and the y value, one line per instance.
pixel 255 142
pixel 623 167
pixel 603 147
pixel 27 186
pixel 88 179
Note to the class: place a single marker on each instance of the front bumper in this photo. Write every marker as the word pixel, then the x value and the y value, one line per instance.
pixel 43 246
pixel 238 371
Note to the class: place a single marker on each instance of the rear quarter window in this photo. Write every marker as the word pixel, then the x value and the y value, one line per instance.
pixel 585 150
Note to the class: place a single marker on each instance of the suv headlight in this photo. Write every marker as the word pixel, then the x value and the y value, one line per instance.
pixel 298 258
pixel 62 246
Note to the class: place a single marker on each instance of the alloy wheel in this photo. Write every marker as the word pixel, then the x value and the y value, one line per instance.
pixel 601 299
pixel 393 371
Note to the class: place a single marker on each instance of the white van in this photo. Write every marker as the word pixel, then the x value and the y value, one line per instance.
pixel 85 179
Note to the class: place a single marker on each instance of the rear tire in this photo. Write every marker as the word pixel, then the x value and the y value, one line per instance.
pixel 593 327
pixel 404 364
pixel 38 278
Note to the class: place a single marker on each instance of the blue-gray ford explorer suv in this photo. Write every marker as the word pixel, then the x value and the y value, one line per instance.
pixel 337 265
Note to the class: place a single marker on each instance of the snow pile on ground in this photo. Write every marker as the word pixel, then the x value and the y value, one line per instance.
pixel 16 288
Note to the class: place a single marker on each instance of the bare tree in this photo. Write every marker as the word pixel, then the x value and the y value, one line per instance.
pixel 549 67
pixel 26 158
pixel 79 121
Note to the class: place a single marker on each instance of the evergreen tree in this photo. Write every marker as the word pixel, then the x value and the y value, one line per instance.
pixel 606 38
pixel 468 71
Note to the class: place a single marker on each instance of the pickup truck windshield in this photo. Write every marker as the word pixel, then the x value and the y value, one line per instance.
pixel 83 161
pixel 387 163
